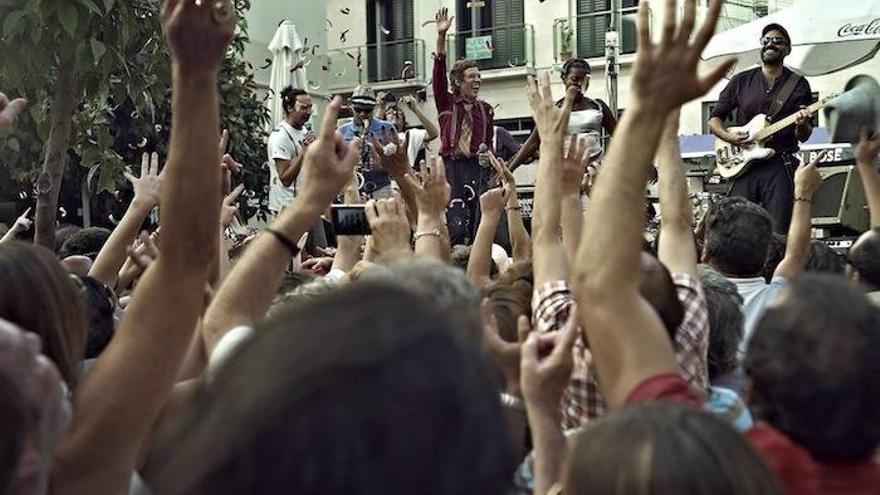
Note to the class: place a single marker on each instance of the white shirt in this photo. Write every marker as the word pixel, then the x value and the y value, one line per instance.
pixel 285 143
pixel 416 141
pixel 757 294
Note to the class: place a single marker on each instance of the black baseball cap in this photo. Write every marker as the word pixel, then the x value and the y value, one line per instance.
pixel 777 27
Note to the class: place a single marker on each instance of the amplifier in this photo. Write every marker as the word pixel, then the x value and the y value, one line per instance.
pixel 840 199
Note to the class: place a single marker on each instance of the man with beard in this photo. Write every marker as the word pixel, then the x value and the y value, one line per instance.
pixel 768 182
pixel 466 131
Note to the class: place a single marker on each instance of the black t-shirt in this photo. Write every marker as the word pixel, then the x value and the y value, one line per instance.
pixel 749 94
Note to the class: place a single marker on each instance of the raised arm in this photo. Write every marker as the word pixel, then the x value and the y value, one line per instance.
pixel 676 247
pixel 520 241
pixel 866 157
pixel 797 247
pixel 548 254
pixel 22 224
pixel 626 336
pixel 429 125
pixel 480 262
pixel 146 195
pixel 120 398
pixel 442 98
pixel 432 198
pixel 247 293
pixel 526 151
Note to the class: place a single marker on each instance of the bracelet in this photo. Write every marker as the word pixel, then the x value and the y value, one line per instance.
pixel 432 233
pixel 511 401
pixel 805 200
pixel 294 250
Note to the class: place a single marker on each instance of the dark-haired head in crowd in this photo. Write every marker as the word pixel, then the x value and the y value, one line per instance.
pixel 823 259
pixel 45 300
pixel 84 242
pixel 636 449
pixel 813 367
pixel 863 262
pixel 346 395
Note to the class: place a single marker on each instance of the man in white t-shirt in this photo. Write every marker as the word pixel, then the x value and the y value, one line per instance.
pixel 418 138
pixel 737 240
pixel 287 145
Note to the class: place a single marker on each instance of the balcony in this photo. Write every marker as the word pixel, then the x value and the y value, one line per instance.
pixel 393 64
pixel 510 48
pixel 583 36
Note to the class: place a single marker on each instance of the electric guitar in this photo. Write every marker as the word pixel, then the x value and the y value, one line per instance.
pixel 732 160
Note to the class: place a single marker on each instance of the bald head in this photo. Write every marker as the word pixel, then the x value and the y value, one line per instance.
pixel 864 260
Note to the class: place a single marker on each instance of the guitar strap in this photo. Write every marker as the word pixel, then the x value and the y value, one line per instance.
pixel 783 96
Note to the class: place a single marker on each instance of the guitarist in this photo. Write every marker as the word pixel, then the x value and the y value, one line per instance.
pixel 768 182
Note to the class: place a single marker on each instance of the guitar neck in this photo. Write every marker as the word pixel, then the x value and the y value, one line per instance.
pixel 782 124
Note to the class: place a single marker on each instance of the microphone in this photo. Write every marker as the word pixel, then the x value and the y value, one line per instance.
pixel 482 157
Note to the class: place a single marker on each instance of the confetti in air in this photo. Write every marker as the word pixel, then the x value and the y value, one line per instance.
pixel 343 35
pixel 266 64
pixel 345 11
pixel 385 30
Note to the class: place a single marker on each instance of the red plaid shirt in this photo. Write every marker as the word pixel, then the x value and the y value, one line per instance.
pixel 582 401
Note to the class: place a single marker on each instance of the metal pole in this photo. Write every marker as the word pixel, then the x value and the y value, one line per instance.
pixel 612 42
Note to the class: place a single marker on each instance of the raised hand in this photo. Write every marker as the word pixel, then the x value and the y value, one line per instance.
pixel 665 73
pixel 868 147
pixel 22 223
pixel 147 187
pixel 444 22
pixel 409 101
pixel 228 209
pixel 505 355
pixel 504 175
pixel 397 163
pixel 546 365
pixel 389 226
pixel 433 195
pixel 198 33
pixel 329 162
pixel 9 111
pixel 807 179
pixel 550 120
pixel 492 201
pixel 574 166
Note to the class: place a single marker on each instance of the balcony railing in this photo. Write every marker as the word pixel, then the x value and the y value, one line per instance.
pixel 497 47
pixel 583 36
pixel 401 60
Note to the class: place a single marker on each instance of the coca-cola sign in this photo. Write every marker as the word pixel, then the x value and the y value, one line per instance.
pixel 866 29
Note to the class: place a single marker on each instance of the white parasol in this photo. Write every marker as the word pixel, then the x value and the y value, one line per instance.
pixel 287 50
pixel 826 36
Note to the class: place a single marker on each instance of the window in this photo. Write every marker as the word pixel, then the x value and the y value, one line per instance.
pixel 503 21
pixel 594 19
pixel 390 42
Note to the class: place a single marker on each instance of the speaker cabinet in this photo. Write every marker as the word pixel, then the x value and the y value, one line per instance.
pixel 840 199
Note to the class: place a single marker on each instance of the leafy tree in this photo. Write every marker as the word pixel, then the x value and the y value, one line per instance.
pixel 98 91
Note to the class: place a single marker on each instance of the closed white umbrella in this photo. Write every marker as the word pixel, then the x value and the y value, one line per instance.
pixel 287 49
pixel 826 36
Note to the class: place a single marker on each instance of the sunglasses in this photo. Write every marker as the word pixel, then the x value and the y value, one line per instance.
pixel 776 40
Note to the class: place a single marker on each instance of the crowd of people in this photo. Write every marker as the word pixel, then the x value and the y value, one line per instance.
pixel 422 358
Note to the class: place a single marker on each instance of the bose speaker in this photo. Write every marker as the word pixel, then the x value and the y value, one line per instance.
pixel 840 199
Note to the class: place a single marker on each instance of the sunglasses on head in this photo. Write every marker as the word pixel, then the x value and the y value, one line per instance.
pixel 776 40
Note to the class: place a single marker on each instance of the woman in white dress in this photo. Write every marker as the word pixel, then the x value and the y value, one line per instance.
pixel 591 119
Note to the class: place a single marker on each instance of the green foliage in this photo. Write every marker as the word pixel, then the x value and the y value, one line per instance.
pixel 123 90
